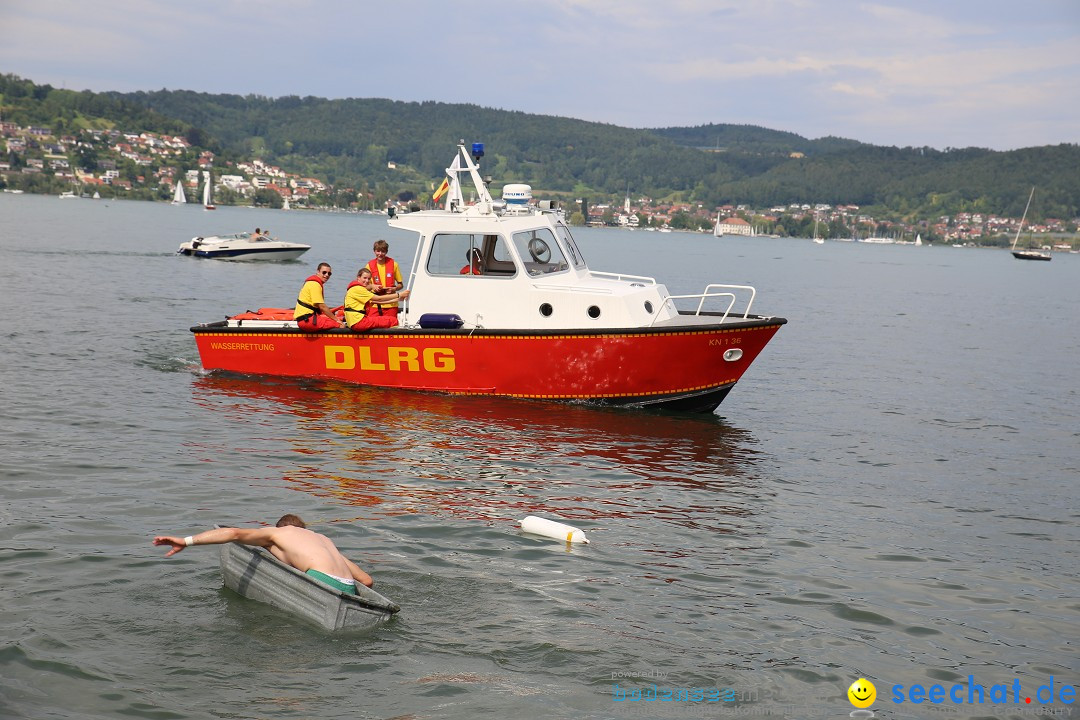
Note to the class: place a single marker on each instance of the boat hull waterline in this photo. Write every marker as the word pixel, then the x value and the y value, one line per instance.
pixel 250 254
pixel 258 575
pixel 1031 255
pixel 685 368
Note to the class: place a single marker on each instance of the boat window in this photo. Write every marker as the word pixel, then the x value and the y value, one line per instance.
pixel 539 251
pixel 470 255
pixel 576 257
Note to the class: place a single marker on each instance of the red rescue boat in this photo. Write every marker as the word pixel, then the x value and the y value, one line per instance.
pixel 529 320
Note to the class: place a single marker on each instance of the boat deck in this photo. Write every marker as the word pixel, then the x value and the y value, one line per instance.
pixel 691 320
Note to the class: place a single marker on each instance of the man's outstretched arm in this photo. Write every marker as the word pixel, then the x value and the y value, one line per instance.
pixel 262 537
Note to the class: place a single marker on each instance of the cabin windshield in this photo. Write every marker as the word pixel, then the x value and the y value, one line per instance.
pixel 539 251
pixel 469 255
pixel 576 258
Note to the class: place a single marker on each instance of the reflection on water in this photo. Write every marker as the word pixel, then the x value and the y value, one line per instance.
pixel 477 458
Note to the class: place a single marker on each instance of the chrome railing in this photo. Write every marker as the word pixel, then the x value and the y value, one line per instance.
pixel 709 293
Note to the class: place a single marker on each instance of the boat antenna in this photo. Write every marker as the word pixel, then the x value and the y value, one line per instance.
pixel 484 204
pixel 1019 229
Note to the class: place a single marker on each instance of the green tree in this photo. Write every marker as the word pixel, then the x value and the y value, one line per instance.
pixel 87 158
pixel 265 197
pixel 681 221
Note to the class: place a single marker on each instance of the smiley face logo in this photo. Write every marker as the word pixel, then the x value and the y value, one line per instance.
pixel 862 693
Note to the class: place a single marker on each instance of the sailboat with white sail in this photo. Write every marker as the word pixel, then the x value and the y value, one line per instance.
pixel 1027 254
pixel 207 183
pixel 817 240
pixel 179 198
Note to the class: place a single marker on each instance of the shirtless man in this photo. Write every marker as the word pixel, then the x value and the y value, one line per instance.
pixel 291 542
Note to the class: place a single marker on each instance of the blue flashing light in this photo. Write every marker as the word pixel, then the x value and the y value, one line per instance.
pixel 477 151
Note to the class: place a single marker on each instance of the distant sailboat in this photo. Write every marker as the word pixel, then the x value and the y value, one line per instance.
pixel 207 182
pixel 1027 254
pixel 918 239
pixel 817 240
pixel 179 198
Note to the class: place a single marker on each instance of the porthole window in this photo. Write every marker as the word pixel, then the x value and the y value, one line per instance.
pixel 594 312
pixel 648 307
pixel 733 354
pixel 546 310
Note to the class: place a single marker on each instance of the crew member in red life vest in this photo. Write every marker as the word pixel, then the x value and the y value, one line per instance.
pixel 311 312
pixel 386 274
pixel 473 268
pixel 362 305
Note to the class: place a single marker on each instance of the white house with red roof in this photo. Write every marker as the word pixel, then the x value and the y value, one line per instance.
pixel 732 226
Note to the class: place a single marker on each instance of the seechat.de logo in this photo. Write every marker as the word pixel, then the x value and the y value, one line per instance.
pixel 862 694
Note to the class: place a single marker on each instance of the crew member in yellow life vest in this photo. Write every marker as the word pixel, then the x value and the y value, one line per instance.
pixel 362 305
pixel 386 274
pixel 311 312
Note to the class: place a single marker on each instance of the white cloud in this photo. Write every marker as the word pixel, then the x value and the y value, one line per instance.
pixel 946 73
pixel 865 91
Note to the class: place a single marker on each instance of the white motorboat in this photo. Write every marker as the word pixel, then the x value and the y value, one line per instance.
pixel 242 246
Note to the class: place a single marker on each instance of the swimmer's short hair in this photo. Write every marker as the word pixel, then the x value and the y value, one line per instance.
pixel 290 519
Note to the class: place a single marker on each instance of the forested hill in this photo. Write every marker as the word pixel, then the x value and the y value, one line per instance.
pixel 355 138
pixel 753 139
pixel 352 141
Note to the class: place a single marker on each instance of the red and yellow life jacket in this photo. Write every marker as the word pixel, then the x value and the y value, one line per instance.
pixel 390 281
pixel 308 302
pixel 354 314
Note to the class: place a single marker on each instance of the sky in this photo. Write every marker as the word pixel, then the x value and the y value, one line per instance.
pixel 1000 74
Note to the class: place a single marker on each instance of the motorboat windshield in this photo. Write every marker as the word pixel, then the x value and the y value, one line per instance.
pixel 576 258
pixel 539 252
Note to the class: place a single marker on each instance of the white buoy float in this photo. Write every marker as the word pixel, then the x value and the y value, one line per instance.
pixel 552 529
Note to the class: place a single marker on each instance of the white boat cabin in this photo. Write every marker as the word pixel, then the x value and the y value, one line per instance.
pixel 512 265
pixel 524 271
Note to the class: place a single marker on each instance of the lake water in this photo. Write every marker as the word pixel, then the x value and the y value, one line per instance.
pixel 890 492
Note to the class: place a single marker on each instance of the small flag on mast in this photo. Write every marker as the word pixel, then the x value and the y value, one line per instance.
pixel 442 190
pixel 451 173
